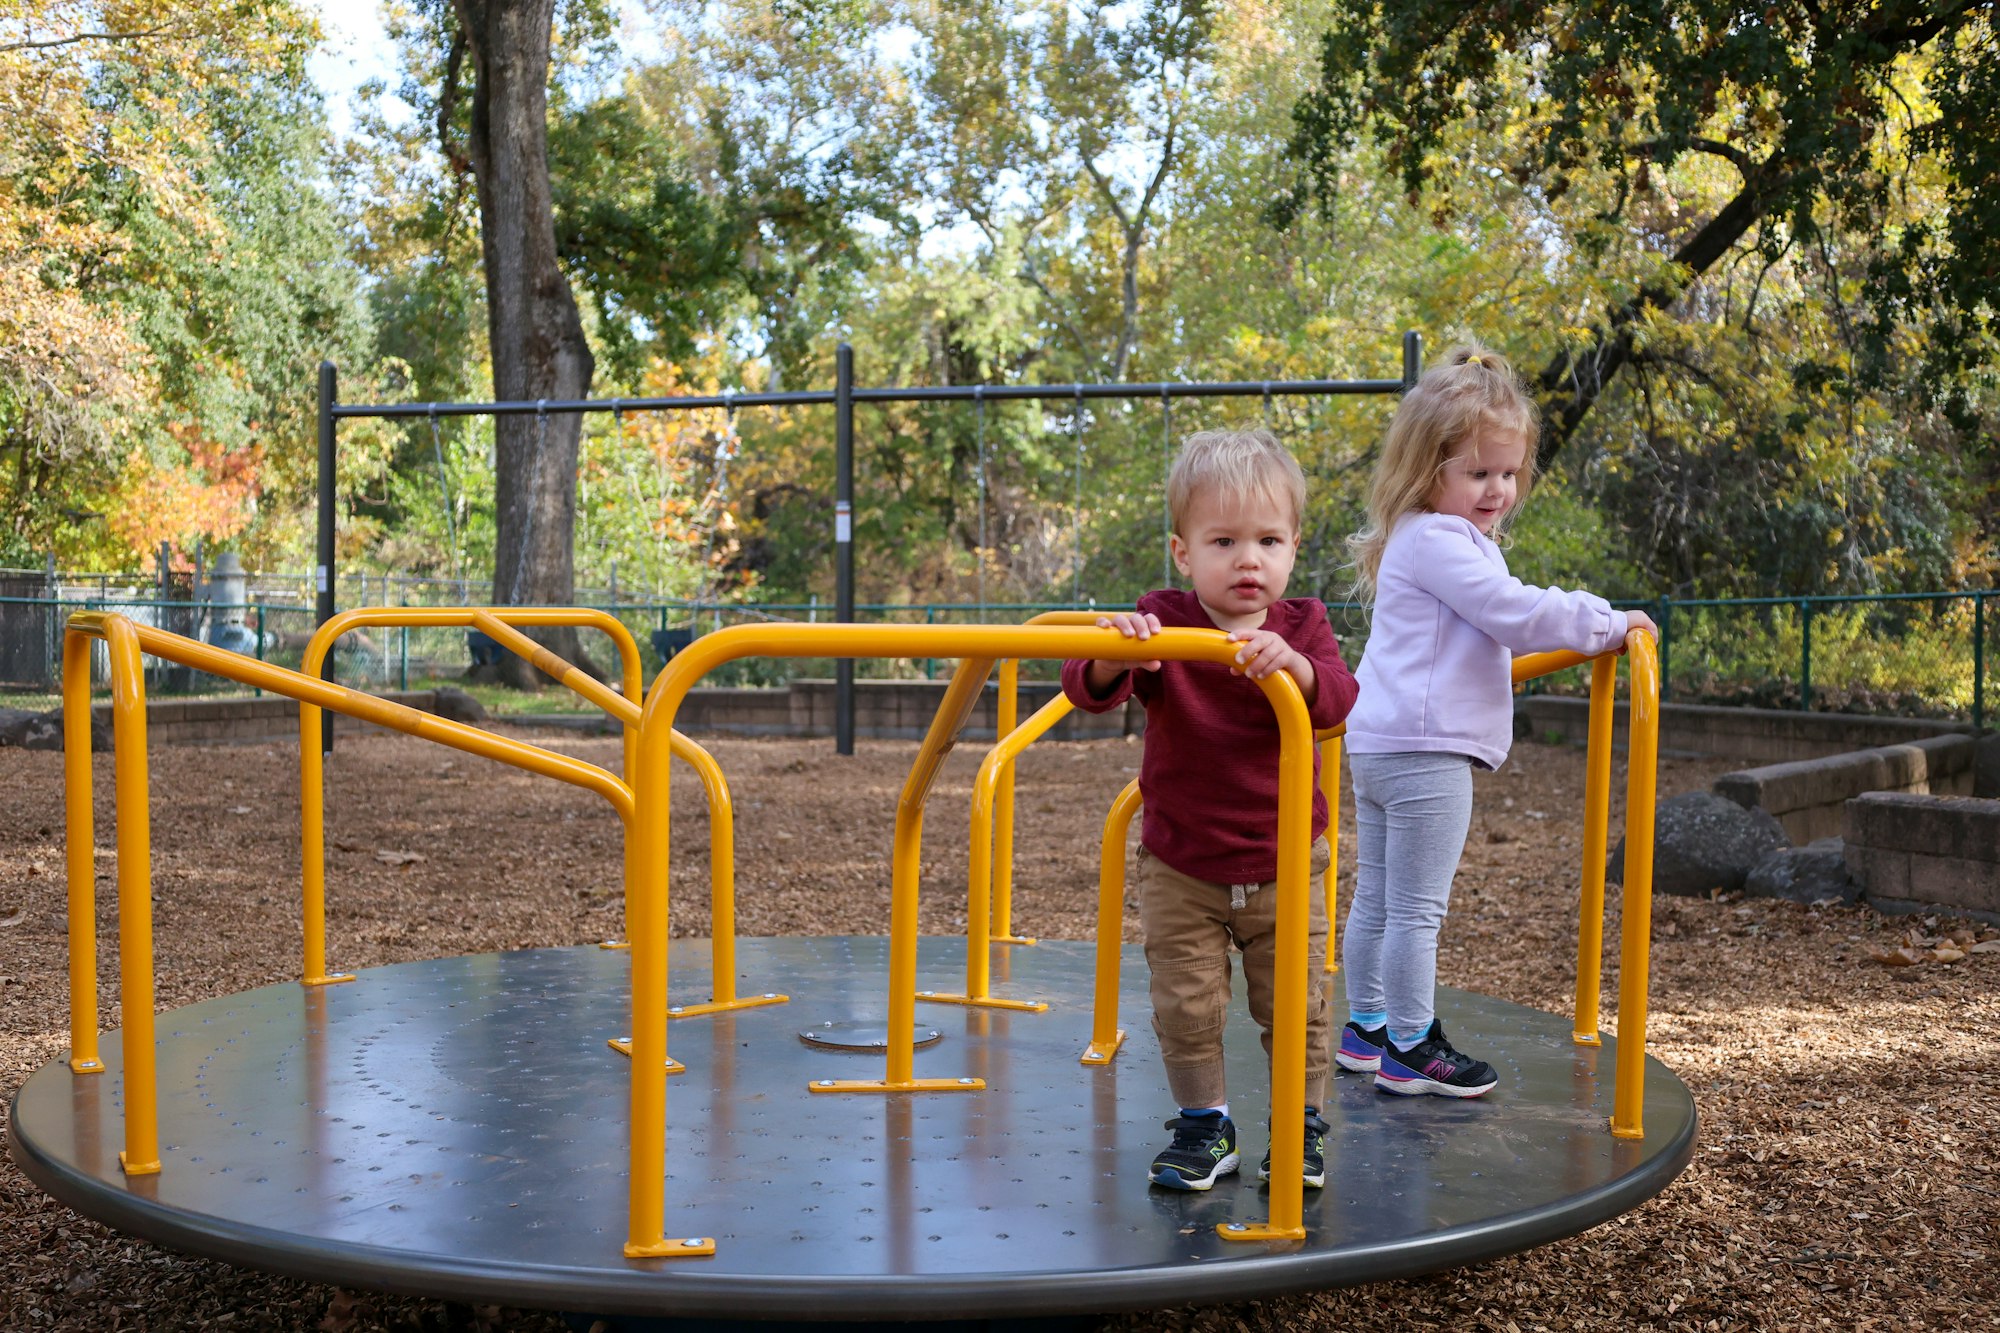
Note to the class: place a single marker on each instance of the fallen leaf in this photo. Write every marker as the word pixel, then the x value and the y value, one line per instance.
pixel 239 809
pixel 392 858
pixel 1985 946
pixel 15 919
pixel 1948 955
pixel 1899 957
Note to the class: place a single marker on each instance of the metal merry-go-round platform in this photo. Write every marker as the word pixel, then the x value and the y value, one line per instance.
pixel 458 1128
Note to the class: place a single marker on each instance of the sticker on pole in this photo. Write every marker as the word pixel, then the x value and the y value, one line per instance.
pixel 843 521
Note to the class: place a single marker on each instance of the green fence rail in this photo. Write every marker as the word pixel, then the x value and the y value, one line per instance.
pixel 1906 654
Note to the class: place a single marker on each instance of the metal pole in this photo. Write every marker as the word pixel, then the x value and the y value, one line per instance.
pixel 1978 663
pixel 1805 653
pixel 1413 358
pixel 329 392
pixel 1666 619
pixel 843 541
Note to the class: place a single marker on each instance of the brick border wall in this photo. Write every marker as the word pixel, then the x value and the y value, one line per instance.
pixel 1925 853
pixel 884 710
pixel 1809 796
pixel 1760 735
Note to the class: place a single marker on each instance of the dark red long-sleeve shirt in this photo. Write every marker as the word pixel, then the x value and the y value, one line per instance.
pixel 1209 777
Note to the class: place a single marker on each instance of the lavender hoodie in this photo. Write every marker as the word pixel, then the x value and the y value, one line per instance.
pixel 1436 673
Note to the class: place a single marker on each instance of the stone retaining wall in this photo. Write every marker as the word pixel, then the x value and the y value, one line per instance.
pixel 1809 796
pixel 1758 735
pixel 271 717
pixel 1921 853
pixel 883 710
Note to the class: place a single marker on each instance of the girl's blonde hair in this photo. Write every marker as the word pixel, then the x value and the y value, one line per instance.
pixel 1472 387
pixel 1239 464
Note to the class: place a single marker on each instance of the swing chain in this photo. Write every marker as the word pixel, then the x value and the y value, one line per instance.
pixel 979 400
pixel 1076 504
pixel 444 488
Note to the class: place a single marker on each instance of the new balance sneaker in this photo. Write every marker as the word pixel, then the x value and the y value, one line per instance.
pixel 1432 1066
pixel 1361 1048
pixel 1203 1151
pixel 1315 1152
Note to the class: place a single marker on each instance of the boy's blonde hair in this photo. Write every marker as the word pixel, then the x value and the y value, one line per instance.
pixel 1473 386
pixel 1241 464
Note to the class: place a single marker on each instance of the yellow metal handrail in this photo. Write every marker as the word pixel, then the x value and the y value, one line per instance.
pixel 997 827
pixel 980 646
pixel 126 642
pixel 501 625
pixel 1636 922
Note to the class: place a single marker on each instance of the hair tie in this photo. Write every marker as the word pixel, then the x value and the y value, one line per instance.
pixel 1474 359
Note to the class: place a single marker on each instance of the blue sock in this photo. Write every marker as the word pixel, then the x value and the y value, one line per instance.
pixel 1405 1040
pixel 1367 1022
pixel 1193 1113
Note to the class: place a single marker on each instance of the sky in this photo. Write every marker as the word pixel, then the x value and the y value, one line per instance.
pixel 357 49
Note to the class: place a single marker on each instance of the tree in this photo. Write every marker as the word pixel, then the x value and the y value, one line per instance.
pixel 534 329
pixel 1802 100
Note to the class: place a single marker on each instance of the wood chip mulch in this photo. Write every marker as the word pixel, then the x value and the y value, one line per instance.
pixel 1846 1065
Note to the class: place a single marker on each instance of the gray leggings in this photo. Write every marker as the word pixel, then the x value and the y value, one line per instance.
pixel 1412 811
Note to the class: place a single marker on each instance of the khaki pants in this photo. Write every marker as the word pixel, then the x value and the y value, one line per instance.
pixel 1190 926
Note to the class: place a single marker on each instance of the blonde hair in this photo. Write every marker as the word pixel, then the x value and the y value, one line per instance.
pixel 1240 464
pixel 1473 386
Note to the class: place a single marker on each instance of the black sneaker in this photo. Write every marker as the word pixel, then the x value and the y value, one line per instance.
pixel 1315 1152
pixel 1203 1151
pixel 1432 1066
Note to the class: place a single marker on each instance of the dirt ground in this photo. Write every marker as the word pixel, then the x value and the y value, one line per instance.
pixel 1848 1170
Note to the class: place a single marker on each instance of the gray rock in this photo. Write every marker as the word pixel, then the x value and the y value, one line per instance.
pixel 1814 873
pixel 44 731
pixel 1703 842
pixel 458 706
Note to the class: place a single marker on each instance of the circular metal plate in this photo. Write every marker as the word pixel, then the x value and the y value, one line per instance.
pixel 872 1035
pixel 457 1128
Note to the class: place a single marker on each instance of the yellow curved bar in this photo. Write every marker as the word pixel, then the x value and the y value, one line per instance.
pixel 1330 745
pixel 1596 833
pixel 982 645
pixel 990 786
pixel 126 642
pixel 1105 1034
pixel 959 697
pixel 80 854
pixel 141 1154
pixel 1531 665
pixel 312 782
pixel 1008 716
pixel 499 623
pixel 1636 929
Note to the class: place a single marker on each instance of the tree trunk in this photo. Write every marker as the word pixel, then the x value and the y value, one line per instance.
pixel 1572 383
pixel 538 346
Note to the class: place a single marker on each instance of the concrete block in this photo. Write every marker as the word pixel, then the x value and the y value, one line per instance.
pixel 1960 826
pixel 1986 767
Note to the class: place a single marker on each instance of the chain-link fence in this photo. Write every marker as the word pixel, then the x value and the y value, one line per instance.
pixel 1914 655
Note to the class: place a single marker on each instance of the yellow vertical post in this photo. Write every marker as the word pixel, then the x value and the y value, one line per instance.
pixel 904 871
pixel 1634 958
pixel 646 919
pixel 80 850
pixel 1003 814
pixel 141 1156
pixel 1288 1021
pixel 312 851
pixel 1329 782
pixel 1105 1034
pixel 1596 836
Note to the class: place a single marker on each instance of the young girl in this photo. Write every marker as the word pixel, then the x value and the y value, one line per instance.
pixel 1436 695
